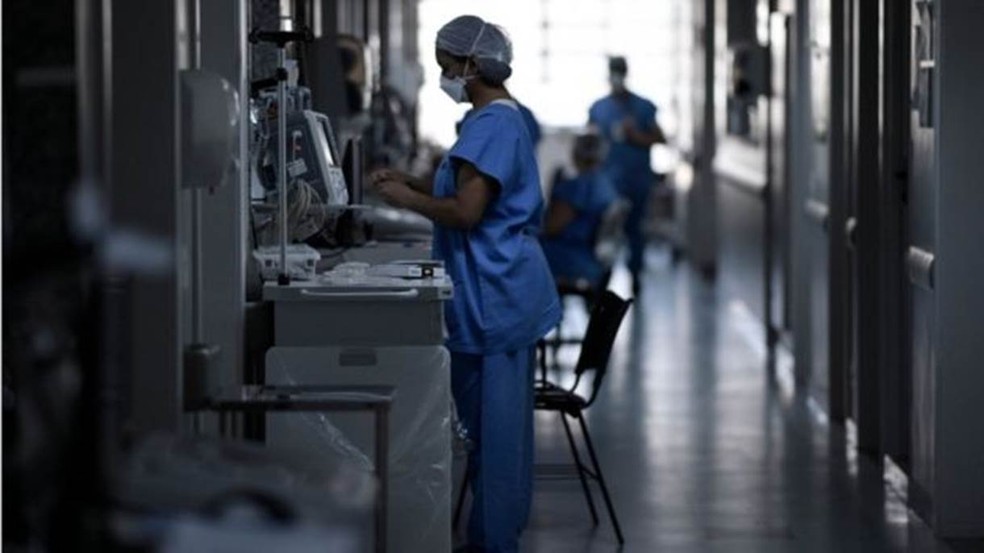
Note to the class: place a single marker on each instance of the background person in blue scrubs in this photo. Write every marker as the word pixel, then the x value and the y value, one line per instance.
pixel 574 214
pixel 628 123
pixel 487 207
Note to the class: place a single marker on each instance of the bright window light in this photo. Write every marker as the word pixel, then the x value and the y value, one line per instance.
pixel 560 50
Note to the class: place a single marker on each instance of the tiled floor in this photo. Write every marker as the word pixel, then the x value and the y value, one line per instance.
pixel 705 451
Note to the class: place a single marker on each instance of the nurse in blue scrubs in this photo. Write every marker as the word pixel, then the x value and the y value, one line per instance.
pixel 627 121
pixel 577 206
pixel 487 207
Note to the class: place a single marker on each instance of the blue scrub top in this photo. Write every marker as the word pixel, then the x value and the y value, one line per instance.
pixel 627 164
pixel 532 125
pixel 571 253
pixel 504 295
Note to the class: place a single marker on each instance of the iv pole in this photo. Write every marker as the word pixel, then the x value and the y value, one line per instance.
pixel 281 39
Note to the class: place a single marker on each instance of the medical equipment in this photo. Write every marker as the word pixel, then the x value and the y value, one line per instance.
pixel 312 158
pixel 306 215
pixel 349 307
pixel 281 39
pixel 409 269
pixel 302 261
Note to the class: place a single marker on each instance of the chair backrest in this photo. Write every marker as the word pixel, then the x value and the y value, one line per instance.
pixel 610 234
pixel 605 320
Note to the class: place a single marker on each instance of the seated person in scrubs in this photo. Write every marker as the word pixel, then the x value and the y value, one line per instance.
pixel 487 209
pixel 574 215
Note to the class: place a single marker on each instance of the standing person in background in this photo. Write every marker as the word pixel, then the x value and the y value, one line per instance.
pixel 487 207
pixel 627 122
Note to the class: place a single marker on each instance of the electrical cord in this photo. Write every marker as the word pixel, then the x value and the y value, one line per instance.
pixel 305 208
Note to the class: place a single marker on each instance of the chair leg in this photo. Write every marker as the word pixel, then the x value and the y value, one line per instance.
pixel 601 478
pixel 580 469
pixel 460 502
pixel 558 340
pixel 543 360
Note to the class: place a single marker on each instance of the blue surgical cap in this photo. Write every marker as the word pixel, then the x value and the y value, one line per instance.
pixel 471 36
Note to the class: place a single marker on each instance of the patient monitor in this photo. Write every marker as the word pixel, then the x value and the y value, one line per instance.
pixel 312 157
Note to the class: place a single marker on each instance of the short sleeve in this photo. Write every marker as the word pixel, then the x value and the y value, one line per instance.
pixel 491 144
pixel 605 190
pixel 648 115
pixel 532 125
pixel 593 117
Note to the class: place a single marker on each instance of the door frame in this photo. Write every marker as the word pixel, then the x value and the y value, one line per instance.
pixel 862 230
pixel 894 354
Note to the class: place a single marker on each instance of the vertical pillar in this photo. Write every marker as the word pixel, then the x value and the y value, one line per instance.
pixel 147 48
pixel 224 210
pixel 958 497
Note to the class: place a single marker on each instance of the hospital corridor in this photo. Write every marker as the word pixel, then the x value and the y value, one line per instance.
pixel 463 276
pixel 714 451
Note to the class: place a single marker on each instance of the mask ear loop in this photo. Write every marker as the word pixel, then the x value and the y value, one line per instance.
pixel 465 70
pixel 471 52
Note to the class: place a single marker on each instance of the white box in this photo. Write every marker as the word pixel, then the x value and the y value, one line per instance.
pixel 301 261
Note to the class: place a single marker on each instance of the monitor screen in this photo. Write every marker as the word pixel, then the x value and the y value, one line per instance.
pixel 311 156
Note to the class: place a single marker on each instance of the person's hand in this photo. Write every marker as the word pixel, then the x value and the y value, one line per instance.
pixel 395 193
pixel 382 175
pixel 391 186
pixel 629 129
pixel 633 135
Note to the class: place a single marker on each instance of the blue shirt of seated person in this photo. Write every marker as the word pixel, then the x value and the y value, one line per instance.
pixel 576 208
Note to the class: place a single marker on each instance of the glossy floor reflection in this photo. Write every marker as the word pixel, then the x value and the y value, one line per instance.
pixel 705 451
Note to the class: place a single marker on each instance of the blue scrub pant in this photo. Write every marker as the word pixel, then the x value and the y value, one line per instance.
pixel 638 194
pixel 494 397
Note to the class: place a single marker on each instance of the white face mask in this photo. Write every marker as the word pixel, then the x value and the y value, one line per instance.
pixel 455 88
pixel 617 81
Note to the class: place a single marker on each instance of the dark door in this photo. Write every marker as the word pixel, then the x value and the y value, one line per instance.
pixel 922 245
pixel 895 374
pixel 863 234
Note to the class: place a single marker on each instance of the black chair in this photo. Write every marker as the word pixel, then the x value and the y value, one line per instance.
pixel 606 318
pixel 566 289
